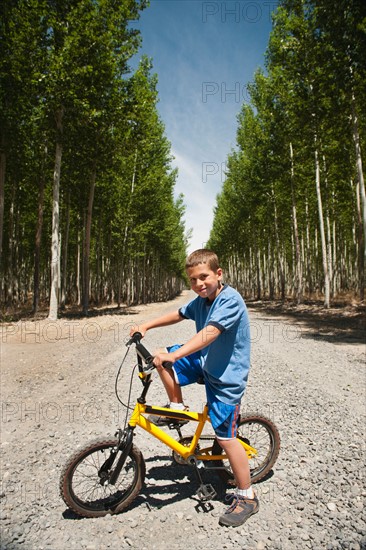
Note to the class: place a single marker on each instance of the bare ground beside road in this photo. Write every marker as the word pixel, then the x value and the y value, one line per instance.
pixel 308 375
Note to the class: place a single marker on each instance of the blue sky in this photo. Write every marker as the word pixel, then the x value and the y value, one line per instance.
pixel 204 53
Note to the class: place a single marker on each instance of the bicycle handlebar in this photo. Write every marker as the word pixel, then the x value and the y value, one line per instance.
pixel 144 353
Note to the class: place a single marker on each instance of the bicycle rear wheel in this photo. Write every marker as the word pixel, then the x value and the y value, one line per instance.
pixel 261 433
pixel 85 479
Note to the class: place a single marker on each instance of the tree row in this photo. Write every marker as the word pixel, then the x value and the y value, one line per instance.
pixel 87 206
pixel 290 219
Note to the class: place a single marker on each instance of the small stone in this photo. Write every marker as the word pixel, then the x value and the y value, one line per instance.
pixel 332 506
pixel 298 520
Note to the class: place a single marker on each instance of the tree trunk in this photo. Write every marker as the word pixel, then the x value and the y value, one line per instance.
pixel 132 189
pixel 86 260
pixel 55 247
pixel 2 196
pixel 321 227
pixel 298 270
pixel 360 247
pixel 37 246
pixel 65 253
pixel 259 284
pixel 78 291
pixel 308 253
pixel 328 233
pixel 9 279
pixel 17 238
pixel 279 247
pixel 361 181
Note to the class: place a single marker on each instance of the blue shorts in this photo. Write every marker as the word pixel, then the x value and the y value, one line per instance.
pixel 187 370
pixel 224 418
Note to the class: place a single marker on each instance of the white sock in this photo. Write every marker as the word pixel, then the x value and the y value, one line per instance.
pixel 247 493
pixel 177 406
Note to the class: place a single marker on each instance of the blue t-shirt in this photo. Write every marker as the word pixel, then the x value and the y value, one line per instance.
pixel 226 361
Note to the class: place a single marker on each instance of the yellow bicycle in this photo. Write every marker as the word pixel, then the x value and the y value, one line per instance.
pixel 107 474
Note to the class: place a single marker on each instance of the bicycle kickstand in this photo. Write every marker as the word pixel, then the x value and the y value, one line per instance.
pixel 205 491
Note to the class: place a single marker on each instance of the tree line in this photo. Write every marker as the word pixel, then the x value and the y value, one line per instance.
pixel 290 219
pixel 87 206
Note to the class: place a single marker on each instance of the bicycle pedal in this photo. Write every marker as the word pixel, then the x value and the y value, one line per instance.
pixel 206 492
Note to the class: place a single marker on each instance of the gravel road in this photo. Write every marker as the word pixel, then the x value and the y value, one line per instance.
pixel 57 390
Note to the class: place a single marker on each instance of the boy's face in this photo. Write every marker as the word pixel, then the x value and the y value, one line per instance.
pixel 205 282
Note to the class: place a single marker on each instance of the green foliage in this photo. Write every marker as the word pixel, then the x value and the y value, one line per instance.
pixel 71 57
pixel 266 223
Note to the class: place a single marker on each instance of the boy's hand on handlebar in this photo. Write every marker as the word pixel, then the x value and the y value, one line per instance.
pixel 161 358
pixel 138 328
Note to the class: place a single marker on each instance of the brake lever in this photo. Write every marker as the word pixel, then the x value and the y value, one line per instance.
pixel 149 367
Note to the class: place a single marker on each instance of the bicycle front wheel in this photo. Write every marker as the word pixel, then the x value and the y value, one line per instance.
pixel 261 433
pixel 85 479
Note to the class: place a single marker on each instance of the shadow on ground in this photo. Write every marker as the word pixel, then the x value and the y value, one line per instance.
pixel 342 323
pixel 15 315
pixel 339 324
pixel 167 482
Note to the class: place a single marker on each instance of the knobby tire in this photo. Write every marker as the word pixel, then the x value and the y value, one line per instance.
pixel 90 495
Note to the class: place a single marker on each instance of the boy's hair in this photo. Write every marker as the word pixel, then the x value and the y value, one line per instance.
pixel 203 256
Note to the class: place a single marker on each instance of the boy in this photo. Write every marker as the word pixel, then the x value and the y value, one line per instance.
pixel 220 353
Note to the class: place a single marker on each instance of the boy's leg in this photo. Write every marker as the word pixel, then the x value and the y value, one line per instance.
pixel 238 461
pixel 172 388
pixel 245 503
pixel 185 371
pixel 170 381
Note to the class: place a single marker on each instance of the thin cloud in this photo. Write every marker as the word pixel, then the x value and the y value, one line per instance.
pixel 199 190
pixel 204 55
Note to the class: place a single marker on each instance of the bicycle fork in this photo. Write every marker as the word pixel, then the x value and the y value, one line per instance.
pixel 124 445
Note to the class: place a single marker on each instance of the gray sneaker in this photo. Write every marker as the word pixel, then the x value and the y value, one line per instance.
pixel 167 420
pixel 239 510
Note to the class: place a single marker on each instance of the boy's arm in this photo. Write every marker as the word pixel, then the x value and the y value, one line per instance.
pixel 163 321
pixel 203 338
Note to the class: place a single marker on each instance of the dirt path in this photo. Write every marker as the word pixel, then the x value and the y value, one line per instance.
pixel 57 390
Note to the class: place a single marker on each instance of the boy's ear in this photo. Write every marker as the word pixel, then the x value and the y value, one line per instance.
pixel 219 272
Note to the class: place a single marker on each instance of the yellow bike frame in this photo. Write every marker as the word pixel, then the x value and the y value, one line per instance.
pixel 138 419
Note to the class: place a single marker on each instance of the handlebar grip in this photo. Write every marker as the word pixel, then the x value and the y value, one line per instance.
pixel 167 365
pixel 135 338
pixel 144 353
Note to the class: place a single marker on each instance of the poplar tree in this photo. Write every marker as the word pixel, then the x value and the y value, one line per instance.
pixel 297 172
pixel 88 165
